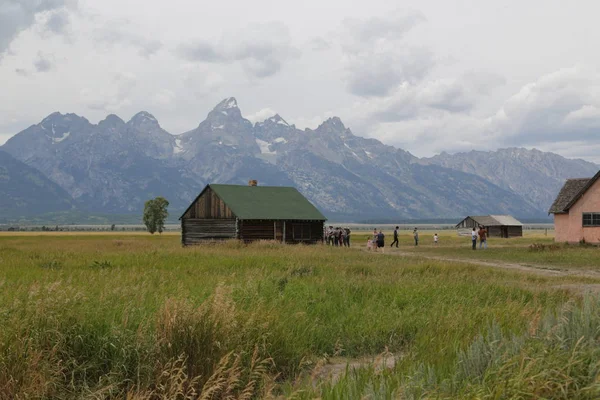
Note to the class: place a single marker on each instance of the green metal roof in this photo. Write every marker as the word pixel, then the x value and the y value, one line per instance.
pixel 267 202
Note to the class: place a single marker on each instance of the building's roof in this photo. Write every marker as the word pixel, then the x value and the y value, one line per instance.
pixel 572 191
pixel 266 202
pixel 506 220
pixel 494 220
pixel 569 191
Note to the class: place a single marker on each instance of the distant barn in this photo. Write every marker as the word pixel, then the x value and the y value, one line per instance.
pixel 251 213
pixel 503 226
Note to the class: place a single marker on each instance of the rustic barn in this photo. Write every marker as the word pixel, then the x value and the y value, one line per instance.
pixel 251 213
pixel 577 211
pixel 503 226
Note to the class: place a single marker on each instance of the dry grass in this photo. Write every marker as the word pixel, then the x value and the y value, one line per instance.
pixel 139 317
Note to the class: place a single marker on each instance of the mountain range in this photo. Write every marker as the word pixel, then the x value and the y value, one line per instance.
pixel 114 166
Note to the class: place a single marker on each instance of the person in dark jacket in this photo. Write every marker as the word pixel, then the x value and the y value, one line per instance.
pixel 381 241
pixel 395 238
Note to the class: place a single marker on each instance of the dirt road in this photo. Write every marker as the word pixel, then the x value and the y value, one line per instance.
pixel 529 268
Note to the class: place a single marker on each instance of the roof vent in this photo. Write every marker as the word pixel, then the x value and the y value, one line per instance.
pixel 252 182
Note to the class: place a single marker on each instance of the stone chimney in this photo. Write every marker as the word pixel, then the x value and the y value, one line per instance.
pixel 252 182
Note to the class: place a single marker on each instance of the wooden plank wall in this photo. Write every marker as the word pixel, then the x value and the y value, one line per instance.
pixel 257 230
pixel 209 206
pixel 515 231
pixel 468 223
pixel 493 231
pixel 197 230
pixel 315 229
pixel 273 230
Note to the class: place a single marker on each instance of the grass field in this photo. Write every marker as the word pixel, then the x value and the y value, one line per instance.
pixel 139 317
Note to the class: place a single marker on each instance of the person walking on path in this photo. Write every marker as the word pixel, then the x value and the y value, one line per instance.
pixel 416 236
pixel 435 239
pixel 381 241
pixel 482 237
pixel 474 238
pixel 395 238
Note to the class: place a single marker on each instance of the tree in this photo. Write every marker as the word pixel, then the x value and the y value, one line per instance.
pixel 155 214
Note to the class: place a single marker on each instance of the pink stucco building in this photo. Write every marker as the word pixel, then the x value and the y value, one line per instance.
pixel 577 211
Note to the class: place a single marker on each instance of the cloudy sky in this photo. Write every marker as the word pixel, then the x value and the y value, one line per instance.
pixel 427 76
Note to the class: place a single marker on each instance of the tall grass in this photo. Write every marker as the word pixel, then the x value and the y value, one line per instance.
pixel 141 318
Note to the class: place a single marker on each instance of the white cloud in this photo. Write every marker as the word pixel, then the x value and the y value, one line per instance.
pixel 260 115
pixel 42 63
pixel 260 48
pixel 554 112
pixel 377 59
pixel 115 96
pixel 18 15
pixel 121 32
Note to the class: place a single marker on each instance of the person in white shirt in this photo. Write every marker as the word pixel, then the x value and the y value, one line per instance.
pixel 474 238
pixel 435 239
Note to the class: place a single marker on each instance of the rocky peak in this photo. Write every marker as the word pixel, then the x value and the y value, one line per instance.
pixel 226 108
pixel 334 126
pixel 143 118
pixel 276 119
pixel 112 121
pixel 57 118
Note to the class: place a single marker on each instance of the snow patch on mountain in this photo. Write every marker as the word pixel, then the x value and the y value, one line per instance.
pixel 178 148
pixel 264 147
pixel 280 140
pixel 60 139
pixel 232 103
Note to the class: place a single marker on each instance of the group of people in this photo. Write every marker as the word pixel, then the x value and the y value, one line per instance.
pixel 341 237
pixel 378 239
pixel 337 236
pixel 482 234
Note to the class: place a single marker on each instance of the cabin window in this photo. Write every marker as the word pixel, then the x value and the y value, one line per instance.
pixel 591 219
pixel 301 231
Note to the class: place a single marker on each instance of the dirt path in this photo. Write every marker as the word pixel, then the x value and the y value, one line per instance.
pixel 534 269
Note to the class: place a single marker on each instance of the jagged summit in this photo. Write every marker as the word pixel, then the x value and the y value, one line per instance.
pixel 334 126
pixel 114 166
pixel 226 108
pixel 276 119
pixel 333 123
pixel 227 104
pixel 111 120
pixel 143 117
pixel 59 117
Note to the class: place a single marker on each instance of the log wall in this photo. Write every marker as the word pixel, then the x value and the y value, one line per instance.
pixel 196 230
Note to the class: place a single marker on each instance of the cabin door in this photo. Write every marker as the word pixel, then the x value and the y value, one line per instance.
pixel 504 231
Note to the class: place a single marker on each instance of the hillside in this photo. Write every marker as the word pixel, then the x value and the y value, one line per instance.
pixel 24 191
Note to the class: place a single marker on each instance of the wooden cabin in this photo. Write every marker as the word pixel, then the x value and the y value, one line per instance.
pixel 577 211
pixel 502 226
pixel 250 213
